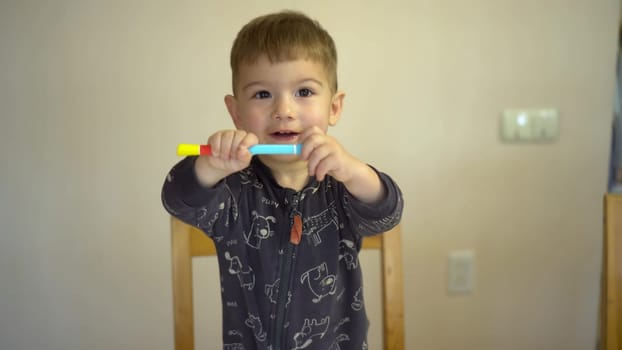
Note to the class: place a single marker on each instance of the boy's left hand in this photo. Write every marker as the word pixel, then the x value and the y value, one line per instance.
pixel 326 156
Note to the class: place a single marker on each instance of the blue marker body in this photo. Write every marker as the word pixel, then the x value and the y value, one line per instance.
pixel 276 149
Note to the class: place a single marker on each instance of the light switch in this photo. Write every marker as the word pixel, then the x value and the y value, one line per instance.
pixel 545 125
pixel 529 125
pixel 461 271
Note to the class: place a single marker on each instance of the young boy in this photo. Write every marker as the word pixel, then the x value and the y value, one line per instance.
pixel 287 228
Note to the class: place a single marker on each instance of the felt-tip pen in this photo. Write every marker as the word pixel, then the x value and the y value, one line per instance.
pixel 205 150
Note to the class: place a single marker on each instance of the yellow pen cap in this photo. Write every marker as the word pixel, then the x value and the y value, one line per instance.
pixel 185 149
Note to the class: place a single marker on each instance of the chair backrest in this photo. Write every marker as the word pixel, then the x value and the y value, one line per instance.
pixel 188 242
pixel 611 289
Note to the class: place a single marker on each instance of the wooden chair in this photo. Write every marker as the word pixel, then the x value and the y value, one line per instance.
pixel 189 242
pixel 611 297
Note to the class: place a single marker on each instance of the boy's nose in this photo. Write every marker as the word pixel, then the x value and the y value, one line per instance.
pixel 283 108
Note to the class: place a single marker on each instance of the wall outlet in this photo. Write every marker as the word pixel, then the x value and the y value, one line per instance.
pixel 461 271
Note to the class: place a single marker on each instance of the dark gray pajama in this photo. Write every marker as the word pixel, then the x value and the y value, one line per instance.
pixel 279 292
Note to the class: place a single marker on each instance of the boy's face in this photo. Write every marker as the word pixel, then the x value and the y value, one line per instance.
pixel 278 101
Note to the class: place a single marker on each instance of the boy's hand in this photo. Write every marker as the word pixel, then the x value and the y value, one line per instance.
pixel 326 156
pixel 229 154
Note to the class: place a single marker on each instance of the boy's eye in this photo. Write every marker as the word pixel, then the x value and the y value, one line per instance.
pixel 304 92
pixel 262 94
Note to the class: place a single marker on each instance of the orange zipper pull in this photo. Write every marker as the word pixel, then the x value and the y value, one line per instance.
pixel 296 233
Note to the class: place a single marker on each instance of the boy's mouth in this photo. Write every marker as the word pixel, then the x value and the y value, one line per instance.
pixel 284 135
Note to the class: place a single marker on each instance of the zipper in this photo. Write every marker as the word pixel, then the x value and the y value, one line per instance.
pixel 285 273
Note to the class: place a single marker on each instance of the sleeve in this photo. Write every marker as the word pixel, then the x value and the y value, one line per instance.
pixel 370 219
pixel 189 201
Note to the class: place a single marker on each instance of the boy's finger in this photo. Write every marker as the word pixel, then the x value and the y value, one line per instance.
pixel 249 140
pixel 316 158
pixel 225 145
pixel 310 144
pixel 214 142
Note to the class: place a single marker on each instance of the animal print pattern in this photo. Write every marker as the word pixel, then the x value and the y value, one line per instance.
pixel 249 220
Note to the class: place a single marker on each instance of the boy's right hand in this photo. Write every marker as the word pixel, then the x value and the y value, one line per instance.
pixel 230 154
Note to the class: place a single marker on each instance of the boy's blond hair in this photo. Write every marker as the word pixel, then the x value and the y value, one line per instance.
pixel 284 36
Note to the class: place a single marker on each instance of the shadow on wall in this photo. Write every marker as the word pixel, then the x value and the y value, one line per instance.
pixel 615 167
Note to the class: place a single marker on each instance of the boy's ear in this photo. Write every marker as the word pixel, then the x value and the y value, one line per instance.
pixel 336 106
pixel 232 108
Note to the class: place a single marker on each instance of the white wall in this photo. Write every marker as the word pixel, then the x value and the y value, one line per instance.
pixel 95 95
